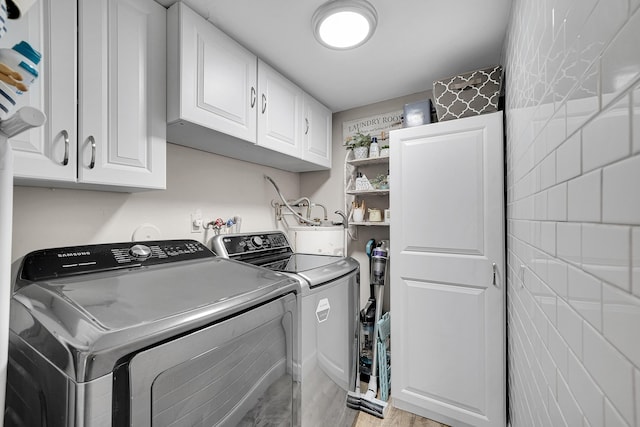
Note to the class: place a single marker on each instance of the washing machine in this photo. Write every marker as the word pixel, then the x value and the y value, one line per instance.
pixel 328 298
pixel 150 334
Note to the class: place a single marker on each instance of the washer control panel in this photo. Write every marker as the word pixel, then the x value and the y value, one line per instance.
pixel 234 245
pixel 68 261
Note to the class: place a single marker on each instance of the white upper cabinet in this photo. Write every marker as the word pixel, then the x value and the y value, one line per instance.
pixel 104 94
pixel 213 81
pixel 223 99
pixel 122 93
pixel 48 152
pixel 280 117
pixel 317 128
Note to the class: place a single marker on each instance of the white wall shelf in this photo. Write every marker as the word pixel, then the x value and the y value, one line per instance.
pixel 368 192
pixel 369 161
pixel 378 196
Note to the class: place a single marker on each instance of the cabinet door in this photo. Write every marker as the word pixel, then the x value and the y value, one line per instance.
pixel 213 83
pixel 317 132
pixel 48 152
pixel 280 115
pixel 122 108
pixel 447 275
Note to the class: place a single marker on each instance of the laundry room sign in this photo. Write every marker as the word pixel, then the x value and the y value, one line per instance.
pixel 373 125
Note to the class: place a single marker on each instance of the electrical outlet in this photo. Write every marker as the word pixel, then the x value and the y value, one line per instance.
pixel 196 221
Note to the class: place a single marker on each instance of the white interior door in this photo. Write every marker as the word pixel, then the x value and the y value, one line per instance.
pixel 448 307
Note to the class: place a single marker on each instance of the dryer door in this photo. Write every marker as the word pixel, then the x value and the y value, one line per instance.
pixel 219 374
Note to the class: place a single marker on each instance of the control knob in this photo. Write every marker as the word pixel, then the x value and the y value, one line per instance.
pixel 140 252
pixel 257 241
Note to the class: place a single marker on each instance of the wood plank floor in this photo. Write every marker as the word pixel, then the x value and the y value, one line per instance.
pixel 394 418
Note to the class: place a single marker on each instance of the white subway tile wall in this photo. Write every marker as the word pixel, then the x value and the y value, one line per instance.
pixel 620 192
pixel 596 154
pixel 569 243
pixel 635 122
pixel 572 79
pixel 605 253
pixel 585 197
pixel 568 164
pixel 585 296
pixel 635 274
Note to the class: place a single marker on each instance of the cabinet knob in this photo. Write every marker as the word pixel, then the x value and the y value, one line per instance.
pixel 253 96
pixel 264 103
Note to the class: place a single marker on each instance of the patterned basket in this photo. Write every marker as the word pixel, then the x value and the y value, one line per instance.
pixel 469 94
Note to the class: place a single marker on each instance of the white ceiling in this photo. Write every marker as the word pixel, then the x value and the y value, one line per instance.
pixel 416 42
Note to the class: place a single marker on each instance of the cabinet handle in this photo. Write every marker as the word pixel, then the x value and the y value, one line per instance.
pixel 92 140
pixel 306 121
pixel 493 265
pixel 264 103
pixel 253 96
pixel 65 135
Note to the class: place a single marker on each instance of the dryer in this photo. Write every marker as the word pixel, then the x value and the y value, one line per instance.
pixel 328 300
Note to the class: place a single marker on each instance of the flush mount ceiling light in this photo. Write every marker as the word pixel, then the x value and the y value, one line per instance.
pixel 344 24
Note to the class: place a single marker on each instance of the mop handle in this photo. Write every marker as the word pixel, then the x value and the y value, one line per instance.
pixel 374 362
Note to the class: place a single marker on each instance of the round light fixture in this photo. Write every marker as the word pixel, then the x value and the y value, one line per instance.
pixel 344 24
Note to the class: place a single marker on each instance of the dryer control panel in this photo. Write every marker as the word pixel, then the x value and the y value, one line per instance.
pixel 72 260
pixel 251 245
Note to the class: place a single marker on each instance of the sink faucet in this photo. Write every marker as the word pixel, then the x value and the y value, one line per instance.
pixel 345 221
